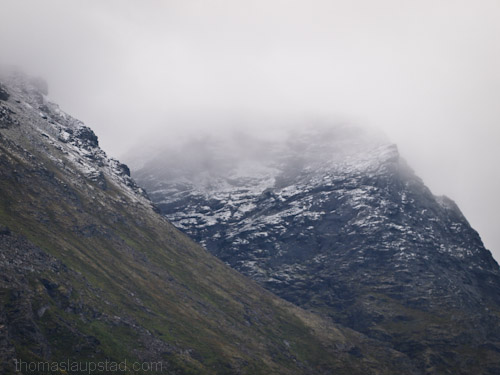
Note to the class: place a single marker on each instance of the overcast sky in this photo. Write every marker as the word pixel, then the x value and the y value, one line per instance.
pixel 426 72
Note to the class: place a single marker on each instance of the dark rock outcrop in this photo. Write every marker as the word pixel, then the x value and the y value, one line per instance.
pixel 4 95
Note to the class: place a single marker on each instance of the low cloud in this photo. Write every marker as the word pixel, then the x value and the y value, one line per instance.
pixel 424 72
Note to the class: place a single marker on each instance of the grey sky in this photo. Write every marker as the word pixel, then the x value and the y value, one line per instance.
pixel 426 72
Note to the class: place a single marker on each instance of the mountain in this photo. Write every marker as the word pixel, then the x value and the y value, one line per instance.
pixel 91 272
pixel 333 220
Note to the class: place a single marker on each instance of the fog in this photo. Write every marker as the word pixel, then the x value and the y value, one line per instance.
pixel 426 73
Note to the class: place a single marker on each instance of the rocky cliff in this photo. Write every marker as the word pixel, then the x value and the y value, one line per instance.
pixel 334 220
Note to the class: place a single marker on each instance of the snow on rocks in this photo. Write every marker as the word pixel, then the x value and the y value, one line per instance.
pixel 76 144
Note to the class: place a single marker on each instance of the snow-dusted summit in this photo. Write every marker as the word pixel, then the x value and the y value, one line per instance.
pixel 333 220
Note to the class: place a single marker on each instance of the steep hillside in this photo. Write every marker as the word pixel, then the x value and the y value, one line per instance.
pixel 333 220
pixel 89 271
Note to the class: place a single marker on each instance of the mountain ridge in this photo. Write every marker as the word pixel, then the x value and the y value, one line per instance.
pixel 335 221
pixel 91 272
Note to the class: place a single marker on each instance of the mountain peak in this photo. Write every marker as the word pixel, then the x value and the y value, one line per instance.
pixel 334 220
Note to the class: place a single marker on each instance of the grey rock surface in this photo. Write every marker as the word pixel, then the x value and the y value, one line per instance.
pixel 334 220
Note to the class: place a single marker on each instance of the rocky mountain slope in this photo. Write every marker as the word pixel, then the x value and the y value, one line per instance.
pixel 333 220
pixel 89 271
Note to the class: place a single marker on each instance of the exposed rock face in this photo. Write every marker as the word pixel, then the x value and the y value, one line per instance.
pixel 334 220
pixel 4 95
pixel 90 272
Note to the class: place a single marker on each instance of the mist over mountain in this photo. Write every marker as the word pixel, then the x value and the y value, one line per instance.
pixel 91 273
pixel 256 222
pixel 425 72
pixel 332 219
